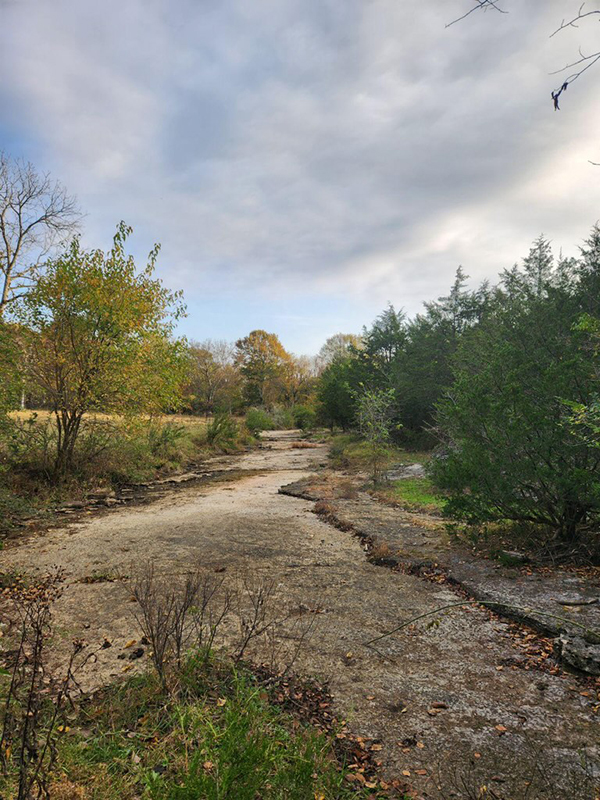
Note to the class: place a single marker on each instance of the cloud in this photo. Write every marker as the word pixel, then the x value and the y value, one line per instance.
pixel 328 156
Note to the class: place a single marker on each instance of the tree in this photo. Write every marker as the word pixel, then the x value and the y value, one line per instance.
pixel 35 215
pixel 262 360
pixel 99 338
pixel 336 394
pixel 432 339
pixel 374 415
pixel 215 381
pixel 508 454
pixel 337 346
pixel 536 274
pixel 297 380
pixel 10 371
pixel 386 339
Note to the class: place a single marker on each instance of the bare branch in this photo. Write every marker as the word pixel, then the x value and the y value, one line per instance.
pixel 572 23
pixel 36 215
pixel 585 62
pixel 480 5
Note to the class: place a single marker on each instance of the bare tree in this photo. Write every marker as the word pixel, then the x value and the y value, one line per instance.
pixel 36 214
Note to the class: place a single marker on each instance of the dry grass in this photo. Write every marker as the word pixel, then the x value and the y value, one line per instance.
pixel 65 790
pixel 180 419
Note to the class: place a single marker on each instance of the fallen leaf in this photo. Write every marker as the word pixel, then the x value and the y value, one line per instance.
pixel 221 701
pixel 130 643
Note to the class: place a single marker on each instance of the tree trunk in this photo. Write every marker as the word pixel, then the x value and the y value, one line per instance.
pixel 68 424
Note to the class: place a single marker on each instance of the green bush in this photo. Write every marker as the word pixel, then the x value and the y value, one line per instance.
pixel 304 418
pixel 509 451
pixel 223 432
pixel 283 418
pixel 257 420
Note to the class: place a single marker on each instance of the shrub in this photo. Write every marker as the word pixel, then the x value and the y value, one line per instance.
pixel 304 418
pixel 283 418
pixel 374 416
pixel 223 432
pixel 257 420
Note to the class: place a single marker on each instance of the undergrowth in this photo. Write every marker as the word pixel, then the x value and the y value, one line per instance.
pixel 220 738
pixel 110 452
pixel 351 451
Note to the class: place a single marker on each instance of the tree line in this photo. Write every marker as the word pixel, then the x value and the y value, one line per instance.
pixel 503 381
pixel 87 331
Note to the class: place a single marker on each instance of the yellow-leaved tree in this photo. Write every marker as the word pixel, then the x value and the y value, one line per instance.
pixel 99 337
pixel 262 360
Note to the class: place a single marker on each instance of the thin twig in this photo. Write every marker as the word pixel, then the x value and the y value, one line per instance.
pixel 589 631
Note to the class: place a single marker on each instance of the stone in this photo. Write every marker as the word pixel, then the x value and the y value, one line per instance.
pixel 578 653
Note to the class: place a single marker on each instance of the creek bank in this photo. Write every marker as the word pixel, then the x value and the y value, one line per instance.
pixel 560 603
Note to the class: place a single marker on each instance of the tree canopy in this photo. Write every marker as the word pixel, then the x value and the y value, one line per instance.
pixel 98 335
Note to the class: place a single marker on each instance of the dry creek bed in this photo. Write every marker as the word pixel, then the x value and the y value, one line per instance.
pixel 452 705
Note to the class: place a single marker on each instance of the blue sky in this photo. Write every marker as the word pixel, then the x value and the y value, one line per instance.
pixel 305 163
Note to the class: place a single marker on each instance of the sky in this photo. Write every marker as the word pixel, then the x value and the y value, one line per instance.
pixel 303 163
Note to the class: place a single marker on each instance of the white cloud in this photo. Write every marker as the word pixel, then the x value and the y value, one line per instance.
pixel 356 151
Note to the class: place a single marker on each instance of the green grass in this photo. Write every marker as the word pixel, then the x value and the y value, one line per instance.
pixel 350 451
pixel 414 494
pixel 221 739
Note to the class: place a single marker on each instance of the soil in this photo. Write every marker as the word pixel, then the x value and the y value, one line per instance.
pixel 454 705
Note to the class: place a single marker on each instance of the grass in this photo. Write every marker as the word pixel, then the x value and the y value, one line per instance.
pixel 111 451
pixel 413 494
pixel 350 451
pixel 189 420
pixel 221 738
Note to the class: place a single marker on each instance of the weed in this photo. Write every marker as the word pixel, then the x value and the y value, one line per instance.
pixel 413 494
